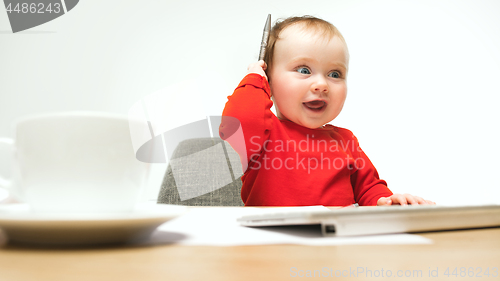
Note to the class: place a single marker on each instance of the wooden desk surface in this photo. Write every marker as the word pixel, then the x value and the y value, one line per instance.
pixel 464 253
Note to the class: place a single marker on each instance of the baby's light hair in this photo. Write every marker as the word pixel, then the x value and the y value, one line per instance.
pixel 324 29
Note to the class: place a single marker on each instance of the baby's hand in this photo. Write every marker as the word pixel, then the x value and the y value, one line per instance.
pixel 258 67
pixel 403 199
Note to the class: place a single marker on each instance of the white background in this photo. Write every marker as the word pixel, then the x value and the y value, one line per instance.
pixel 422 87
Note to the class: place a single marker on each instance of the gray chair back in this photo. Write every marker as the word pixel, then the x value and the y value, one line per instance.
pixel 208 172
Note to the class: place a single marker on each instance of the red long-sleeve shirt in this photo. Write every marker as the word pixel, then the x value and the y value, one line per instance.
pixel 291 165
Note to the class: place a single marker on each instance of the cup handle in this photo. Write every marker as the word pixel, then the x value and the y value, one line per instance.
pixel 6 156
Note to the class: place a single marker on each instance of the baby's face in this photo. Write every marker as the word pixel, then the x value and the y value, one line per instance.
pixel 308 77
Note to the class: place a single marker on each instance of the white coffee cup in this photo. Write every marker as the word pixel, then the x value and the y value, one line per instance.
pixel 75 162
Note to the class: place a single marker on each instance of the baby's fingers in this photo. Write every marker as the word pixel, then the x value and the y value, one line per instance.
pixel 412 200
pixel 419 200
pixel 262 64
pixel 403 199
pixel 384 201
pixel 258 67
pixel 399 199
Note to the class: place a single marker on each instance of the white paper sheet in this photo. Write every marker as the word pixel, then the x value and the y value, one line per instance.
pixel 217 226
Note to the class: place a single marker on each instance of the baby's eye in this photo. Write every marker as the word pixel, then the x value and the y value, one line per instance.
pixel 334 74
pixel 303 70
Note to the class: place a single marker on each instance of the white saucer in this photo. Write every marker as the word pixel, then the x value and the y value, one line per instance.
pixel 23 226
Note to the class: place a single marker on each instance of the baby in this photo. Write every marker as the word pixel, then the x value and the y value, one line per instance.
pixel 294 159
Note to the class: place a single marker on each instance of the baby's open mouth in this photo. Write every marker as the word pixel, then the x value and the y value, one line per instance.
pixel 315 105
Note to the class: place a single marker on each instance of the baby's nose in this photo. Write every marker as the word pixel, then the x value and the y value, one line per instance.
pixel 320 86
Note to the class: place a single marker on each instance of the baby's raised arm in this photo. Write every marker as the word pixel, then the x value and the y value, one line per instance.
pixel 249 108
